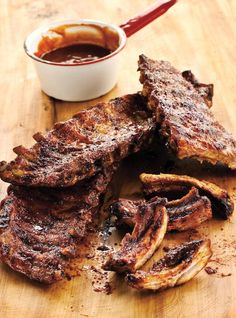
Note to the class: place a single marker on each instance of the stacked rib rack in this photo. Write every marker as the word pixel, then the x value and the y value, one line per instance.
pixel 57 185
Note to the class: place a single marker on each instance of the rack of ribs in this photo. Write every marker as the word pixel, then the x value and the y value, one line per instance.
pixel 181 106
pixel 84 145
pixel 41 228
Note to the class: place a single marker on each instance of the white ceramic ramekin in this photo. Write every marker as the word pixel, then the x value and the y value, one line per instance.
pixel 80 81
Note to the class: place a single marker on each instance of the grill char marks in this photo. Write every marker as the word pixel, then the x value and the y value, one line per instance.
pixel 181 108
pixel 148 233
pixel 177 267
pixel 222 204
pixel 84 145
pixel 40 228
pixel 185 213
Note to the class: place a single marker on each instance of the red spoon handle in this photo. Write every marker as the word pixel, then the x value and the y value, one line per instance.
pixel 153 12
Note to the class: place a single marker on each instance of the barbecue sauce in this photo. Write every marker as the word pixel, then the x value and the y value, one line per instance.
pixel 77 43
pixel 76 53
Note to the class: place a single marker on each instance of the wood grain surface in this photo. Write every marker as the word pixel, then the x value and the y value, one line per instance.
pixel 195 34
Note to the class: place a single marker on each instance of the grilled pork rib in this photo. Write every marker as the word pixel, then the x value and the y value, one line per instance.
pixel 181 109
pixel 82 146
pixel 189 211
pixel 40 228
pixel 222 204
pixel 185 213
pixel 148 233
pixel 177 267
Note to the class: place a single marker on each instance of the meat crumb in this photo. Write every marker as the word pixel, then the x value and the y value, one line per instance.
pixel 166 249
pixel 226 275
pixel 103 248
pixel 106 288
pixel 209 270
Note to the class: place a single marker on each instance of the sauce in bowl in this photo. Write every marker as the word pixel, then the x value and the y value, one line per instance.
pixel 74 44
pixel 76 60
pixel 76 53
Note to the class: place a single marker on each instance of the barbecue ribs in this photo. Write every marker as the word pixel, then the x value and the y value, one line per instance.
pixel 222 204
pixel 189 211
pixel 181 109
pixel 177 267
pixel 40 228
pixel 185 213
pixel 82 146
pixel 148 233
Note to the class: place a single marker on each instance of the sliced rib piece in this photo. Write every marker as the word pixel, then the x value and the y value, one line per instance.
pixel 80 147
pixel 189 211
pixel 182 111
pixel 148 233
pixel 177 267
pixel 185 213
pixel 222 204
pixel 40 228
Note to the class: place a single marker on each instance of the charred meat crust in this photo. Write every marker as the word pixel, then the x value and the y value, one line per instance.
pixel 205 90
pixel 84 145
pixel 40 228
pixel 148 233
pixel 185 213
pixel 177 267
pixel 181 109
pixel 222 204
pixel 125 210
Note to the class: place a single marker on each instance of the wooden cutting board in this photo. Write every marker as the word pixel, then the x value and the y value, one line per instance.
pixel 195 34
